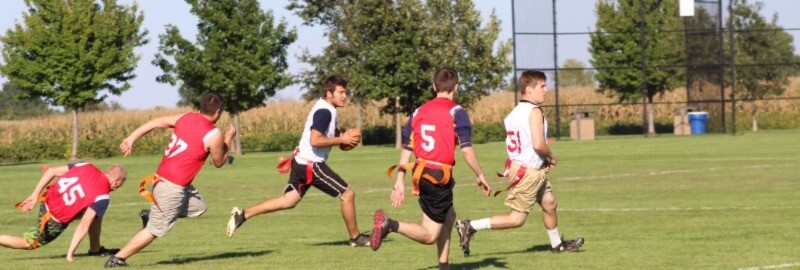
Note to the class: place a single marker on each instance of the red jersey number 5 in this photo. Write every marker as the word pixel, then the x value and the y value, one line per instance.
pixel 429 143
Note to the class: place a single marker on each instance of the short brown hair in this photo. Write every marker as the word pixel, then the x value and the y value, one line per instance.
pixel 210 103
pixel 530 78
pixel 119 171
pixel 329 85
pixel 445 80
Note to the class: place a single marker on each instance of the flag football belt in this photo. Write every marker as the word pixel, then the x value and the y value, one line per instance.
pixel 45 218
pixel 154 178
pixel 514 181
pixel 42 222
pixel 418 166
pixel 285 166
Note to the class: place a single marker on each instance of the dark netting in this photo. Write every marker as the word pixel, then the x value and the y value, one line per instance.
pixel 705 68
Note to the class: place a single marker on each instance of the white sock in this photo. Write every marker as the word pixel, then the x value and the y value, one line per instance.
pixel 481 224
pixel 555 239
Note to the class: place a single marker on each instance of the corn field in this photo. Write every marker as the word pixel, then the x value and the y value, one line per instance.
pixel 289 116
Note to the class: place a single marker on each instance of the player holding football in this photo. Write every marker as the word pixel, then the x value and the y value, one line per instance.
pixel 308 167
pixel 529 159
pixel 432 133
pixel 80 188
pixel 194 138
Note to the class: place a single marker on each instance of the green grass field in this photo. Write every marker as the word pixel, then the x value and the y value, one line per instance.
pixel 713 201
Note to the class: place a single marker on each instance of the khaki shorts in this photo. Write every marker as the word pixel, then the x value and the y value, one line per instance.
pixel 529 191
pixel 176 202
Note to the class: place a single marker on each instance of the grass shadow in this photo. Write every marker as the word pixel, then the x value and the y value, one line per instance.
pixel 339 243
pixel 486 262
pixel 537 248
pixel 64 256
pixel 226 255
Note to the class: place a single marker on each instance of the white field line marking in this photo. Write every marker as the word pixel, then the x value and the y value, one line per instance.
pixel 777 266
pixel 668 172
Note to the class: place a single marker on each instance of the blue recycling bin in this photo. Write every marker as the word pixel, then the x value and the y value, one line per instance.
pixel 697 121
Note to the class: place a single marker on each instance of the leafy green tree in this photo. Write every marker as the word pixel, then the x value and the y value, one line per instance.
pixel 574 74
pixel 760 42
pixel 67 51
pixel 14 105
pixel 616 44
pixel 388 50
pixel 240 53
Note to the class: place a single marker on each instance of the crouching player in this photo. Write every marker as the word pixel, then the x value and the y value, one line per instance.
pixel 80 188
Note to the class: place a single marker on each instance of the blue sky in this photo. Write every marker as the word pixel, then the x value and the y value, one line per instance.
pixel 573 16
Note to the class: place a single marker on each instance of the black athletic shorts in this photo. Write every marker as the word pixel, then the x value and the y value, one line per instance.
pixel 324 179
pixel 435 200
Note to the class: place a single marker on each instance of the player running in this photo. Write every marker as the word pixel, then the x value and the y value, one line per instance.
pixel 194 138
pixel 529 159
pixel 308 167
pixel 432 133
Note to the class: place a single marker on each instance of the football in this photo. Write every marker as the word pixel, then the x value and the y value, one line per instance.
pixel 354 131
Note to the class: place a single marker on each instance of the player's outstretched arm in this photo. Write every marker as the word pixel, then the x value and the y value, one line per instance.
pixel 219 147
pixel 472 161
pixel 80 232
pixel 161 122
pixel 47 176
pixel 399 189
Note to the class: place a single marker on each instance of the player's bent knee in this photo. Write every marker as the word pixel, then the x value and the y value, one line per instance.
pixel 348 196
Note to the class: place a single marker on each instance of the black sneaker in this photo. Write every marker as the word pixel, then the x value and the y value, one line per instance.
pixel 236 220
pixel 380 229
pixel 568 245
pixel 465 232
pixel 361 240
pixel 102 252
pixel 113 261
pixel 145 215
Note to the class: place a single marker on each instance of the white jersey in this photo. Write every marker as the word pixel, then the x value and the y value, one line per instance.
pixel 519 144
pixel 308 152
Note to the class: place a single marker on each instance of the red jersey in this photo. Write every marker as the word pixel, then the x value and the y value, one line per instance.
pixel 433 128
pixel 76 190
pixel 186 152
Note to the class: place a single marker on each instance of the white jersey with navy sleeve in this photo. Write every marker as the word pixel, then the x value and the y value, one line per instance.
pixel 311 153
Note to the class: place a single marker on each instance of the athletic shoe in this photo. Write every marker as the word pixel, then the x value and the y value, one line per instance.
pixel 465 232
pixel 113 261
pixel 380 228
pixel 102 252
pixel 361 240
pixel 145 215
pixel 568 245
pixel 236 220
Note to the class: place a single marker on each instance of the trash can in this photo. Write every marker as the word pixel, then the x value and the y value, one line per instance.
pixel 698 122
pixel 681 121
pixel 581 127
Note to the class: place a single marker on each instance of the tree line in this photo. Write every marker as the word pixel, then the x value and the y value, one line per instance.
pixel 65 53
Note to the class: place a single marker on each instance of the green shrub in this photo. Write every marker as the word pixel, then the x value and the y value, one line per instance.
pixel 274 141
pixel 492 132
